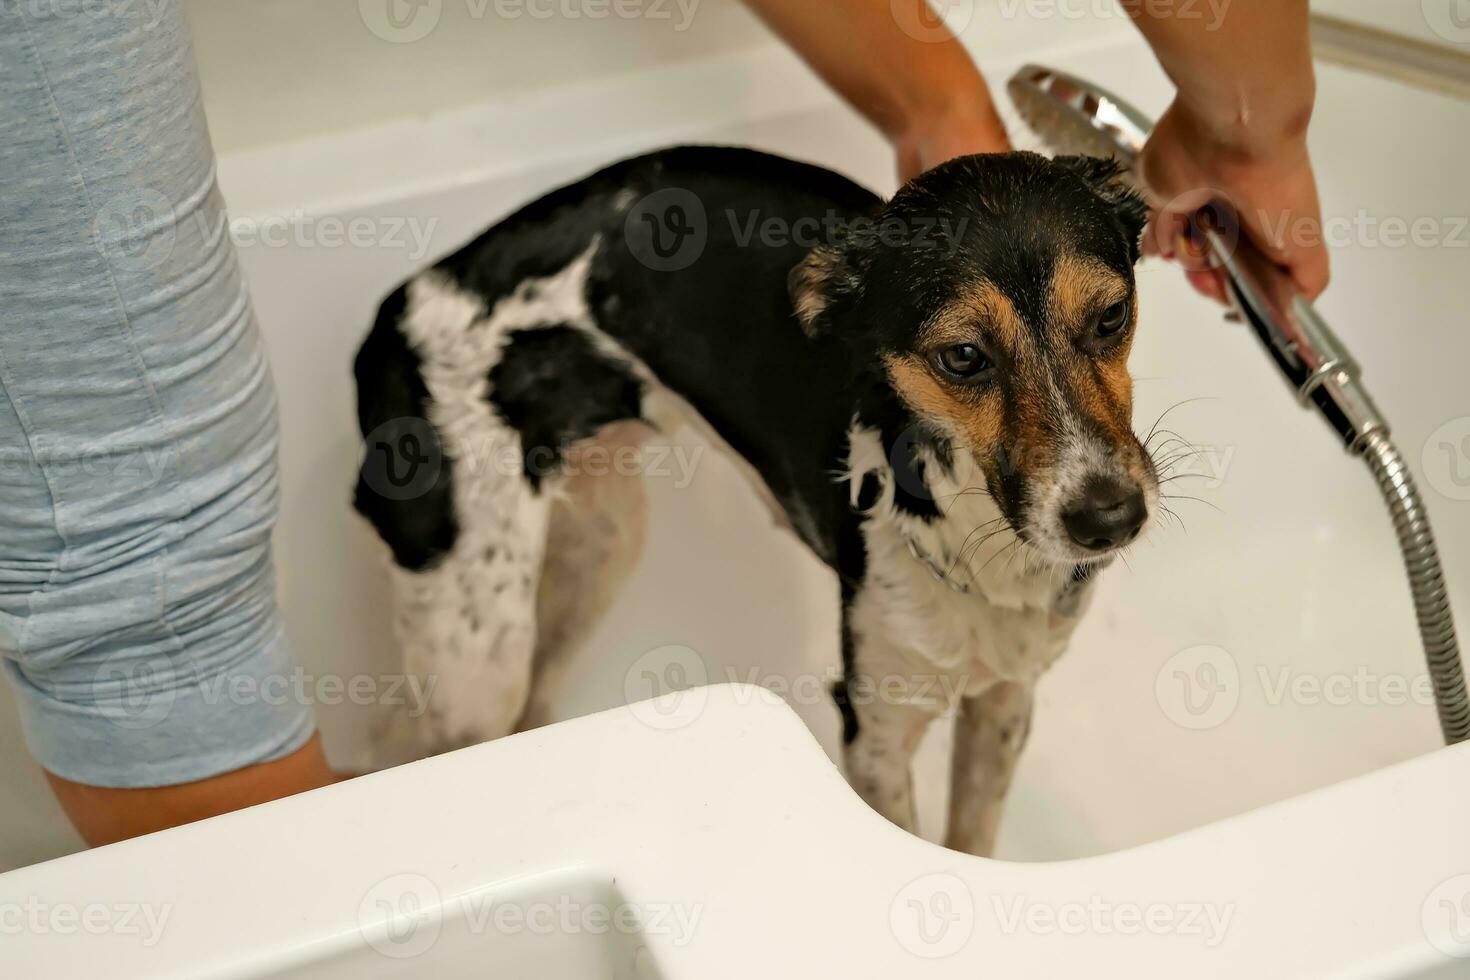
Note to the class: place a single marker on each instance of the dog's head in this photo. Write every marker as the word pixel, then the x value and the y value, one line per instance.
pixel 996 296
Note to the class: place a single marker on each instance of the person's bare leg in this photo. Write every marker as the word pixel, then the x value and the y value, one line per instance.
pixel 103 815
pixel 139 631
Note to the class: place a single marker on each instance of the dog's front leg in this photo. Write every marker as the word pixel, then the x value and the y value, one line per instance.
pixel 990 731
pixel 878 759
pixel 890 723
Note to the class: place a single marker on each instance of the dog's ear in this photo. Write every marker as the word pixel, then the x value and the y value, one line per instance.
pixel 810 282
pixel 825 280
pixel 1107 180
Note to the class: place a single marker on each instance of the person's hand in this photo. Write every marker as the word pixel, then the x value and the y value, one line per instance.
pixel 1187 163
pixel 932 141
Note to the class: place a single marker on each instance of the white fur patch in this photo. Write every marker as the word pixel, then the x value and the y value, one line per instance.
pixel 470 621
pixel 1003 628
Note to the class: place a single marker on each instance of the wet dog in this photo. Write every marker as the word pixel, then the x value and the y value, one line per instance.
pixel 932 392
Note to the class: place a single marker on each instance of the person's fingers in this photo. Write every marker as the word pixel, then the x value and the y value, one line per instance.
pixel 1275 205
pixel 1289 231
pixel 1207 283
pixel 1312 273
pixel 1161 237
pixel 1174 188
pixel 1201 265
pixel 1295 242
pixel 1167 237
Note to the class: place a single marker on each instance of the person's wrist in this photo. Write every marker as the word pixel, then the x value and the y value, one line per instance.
pixel 928 138
pixel 970 108
pixel 1250 129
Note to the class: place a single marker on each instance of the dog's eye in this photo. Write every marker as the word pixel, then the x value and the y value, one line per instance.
pixel 1113 319
pixel 963 361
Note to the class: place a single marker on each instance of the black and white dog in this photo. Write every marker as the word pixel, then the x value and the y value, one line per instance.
pixel 933 392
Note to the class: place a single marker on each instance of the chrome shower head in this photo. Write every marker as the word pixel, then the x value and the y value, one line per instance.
pixel 1074 116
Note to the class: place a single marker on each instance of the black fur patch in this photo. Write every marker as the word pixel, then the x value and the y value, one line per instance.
pixel 903 436
pixel 843 700
pixel 404 487
pixel 852 568
pixel 554 387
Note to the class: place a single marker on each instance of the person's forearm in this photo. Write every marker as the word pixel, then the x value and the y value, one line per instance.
pixel 901 83
pixel 1246 74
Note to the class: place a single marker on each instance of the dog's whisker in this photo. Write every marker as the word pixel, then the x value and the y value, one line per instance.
pixel 1021 550
pixel 960 557
pixel 1183 445
pixel 1171 446
pixel 1187 453
pixel 1185 496
pixel 1165 470
pixel 1025 552
pixel 1175 439
pixel 952 497
pixel 1178 404
pixel 967 490
pixel 1174 433
pixel 998 554
pixel 978 529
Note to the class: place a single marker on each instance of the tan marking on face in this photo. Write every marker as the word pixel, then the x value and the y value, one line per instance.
pixel 973 415
pixel 981 310
pixel 1081 288
pixel 1015 415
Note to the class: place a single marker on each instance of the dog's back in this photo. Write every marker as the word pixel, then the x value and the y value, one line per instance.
pixel 658 283
pixel 664 270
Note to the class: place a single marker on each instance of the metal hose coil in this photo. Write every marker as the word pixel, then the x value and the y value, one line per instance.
pixel 1426 584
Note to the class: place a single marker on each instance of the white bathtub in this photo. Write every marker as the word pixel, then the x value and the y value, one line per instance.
pixel 705 837
pixel 1267 651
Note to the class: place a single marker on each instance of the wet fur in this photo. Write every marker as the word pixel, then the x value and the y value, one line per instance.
pixel 811 365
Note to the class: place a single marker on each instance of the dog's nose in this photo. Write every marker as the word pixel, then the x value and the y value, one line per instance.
pixel 1106 514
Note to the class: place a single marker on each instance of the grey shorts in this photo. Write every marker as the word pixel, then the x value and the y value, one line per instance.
pixel 138 484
